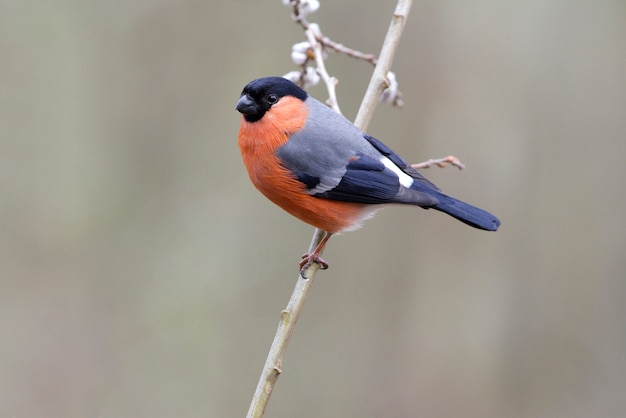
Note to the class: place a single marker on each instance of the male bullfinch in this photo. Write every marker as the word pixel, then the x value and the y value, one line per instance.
pixel 319 167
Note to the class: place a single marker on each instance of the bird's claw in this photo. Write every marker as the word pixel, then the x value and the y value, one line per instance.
pixel 308 259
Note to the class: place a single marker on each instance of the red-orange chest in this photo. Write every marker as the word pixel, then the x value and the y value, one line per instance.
pixel 259 141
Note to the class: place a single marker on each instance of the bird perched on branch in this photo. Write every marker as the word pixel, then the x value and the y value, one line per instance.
pixel 319 167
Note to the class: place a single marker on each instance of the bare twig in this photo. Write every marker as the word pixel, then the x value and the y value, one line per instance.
pixel 312 35
pixel 441 162
pixel 329 43
pixel 289 316
pixel 378 81
pixel 301 8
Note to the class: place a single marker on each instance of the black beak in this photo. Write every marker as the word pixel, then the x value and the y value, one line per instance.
pixel 246 105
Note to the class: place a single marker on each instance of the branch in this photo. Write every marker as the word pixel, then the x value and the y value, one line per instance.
pixel 378 81
pixel 289 316
pixel 312 34
pixel 329 43
pixel 441 162
pixel 303 52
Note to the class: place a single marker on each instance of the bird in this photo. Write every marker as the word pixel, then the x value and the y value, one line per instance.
pixel 319 167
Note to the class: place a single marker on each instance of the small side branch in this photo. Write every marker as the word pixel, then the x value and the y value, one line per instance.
pixel 318 44
pixel 326 42
pixel 312 34
pixel 441 162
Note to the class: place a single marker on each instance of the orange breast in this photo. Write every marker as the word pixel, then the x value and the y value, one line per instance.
pixel 258 142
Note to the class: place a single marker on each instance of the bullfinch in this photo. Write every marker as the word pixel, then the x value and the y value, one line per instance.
pixel 319 167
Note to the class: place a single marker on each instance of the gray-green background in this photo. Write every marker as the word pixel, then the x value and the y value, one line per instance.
pixel 141 275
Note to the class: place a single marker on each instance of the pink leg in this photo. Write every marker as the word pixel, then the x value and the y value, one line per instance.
pixel 314 257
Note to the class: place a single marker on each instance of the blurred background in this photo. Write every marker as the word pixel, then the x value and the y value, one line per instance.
pixel 142 275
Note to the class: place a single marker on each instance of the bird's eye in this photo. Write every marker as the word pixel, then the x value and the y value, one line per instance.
pixel 272 99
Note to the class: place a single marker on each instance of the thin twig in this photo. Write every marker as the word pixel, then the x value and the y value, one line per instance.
pixel 378 81
pixel 289 316
pixel 311 33
pixel 441 162
pixel 301 9
pixel 329 43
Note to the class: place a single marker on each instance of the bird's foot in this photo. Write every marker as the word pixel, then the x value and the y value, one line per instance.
pixel 308 259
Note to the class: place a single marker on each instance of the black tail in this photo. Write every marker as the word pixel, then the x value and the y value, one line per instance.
pixel 471 215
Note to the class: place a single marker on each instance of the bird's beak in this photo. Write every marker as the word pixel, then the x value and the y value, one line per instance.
pixel 246 105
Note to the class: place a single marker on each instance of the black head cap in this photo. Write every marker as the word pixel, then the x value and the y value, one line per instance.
pixel 259 95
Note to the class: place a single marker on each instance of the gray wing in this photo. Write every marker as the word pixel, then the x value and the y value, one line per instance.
pixel 320 152
pixel 335 160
